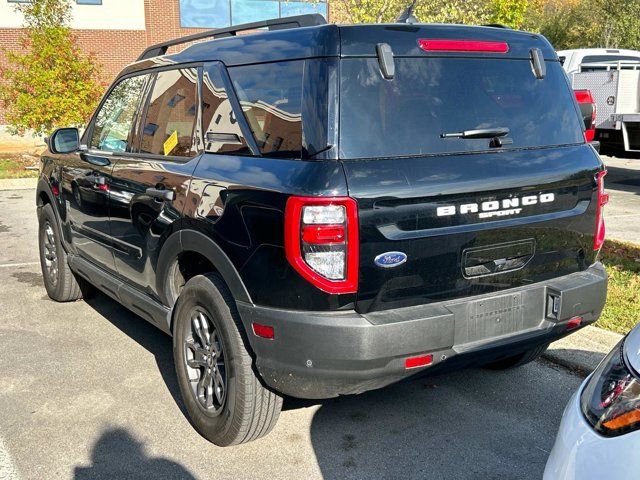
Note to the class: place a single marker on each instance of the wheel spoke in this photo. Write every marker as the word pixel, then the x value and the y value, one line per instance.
pixel 215 347
pixel 203 381
pixel 218 383
pixel 209 401
pixel 201 329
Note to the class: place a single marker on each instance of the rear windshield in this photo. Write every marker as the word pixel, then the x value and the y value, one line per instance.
pixel 429 97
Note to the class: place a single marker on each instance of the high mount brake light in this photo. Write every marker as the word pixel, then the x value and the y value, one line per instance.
pixel 602 200
pixel 443 45
pixel 321 241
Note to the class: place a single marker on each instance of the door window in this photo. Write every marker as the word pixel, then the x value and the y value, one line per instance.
pixel 171 115
pixel 112 127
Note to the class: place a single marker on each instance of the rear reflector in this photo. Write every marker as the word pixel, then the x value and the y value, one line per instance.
pixel 441 45
pixel 323 234
pixel 264 331
pixel 421 361
pixel 574 322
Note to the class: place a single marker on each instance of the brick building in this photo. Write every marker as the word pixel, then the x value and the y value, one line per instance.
pixel 117 31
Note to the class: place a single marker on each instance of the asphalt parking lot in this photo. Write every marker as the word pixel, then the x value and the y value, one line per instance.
pixel 87 390
pixel 622 214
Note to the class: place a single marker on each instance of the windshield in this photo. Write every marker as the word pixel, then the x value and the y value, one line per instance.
pixel 432 97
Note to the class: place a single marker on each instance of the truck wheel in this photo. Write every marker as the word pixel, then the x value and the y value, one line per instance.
pixel 518 360
pixel 226 401
pixel 60 282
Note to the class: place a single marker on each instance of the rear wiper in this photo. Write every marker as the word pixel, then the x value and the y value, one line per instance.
pixel 478 133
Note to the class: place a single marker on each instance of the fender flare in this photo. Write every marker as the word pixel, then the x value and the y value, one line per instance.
pixel 194 241
pixel 45 187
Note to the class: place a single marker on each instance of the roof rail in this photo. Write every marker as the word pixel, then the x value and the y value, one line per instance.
pixel 310 20
pixel 496 25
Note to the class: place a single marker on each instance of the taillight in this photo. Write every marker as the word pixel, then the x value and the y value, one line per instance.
pixel 602 200
pixel 609 400
pixel 321 241
pixel 443 45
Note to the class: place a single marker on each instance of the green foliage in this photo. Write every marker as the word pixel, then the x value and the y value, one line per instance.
pixel 511 13
pixel 566 23
pixel 622 310
pixel 620 23
pixel 53 83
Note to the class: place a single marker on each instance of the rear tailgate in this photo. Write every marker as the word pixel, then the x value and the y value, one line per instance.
pixel 546 230
pixel 471 215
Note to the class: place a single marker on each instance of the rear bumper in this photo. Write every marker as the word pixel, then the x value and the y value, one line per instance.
pixel 325 354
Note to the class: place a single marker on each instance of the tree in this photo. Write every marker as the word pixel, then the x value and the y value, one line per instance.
pixel 52 83
pixel 620 23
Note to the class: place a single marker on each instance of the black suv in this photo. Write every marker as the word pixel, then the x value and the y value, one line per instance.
pixel 317 210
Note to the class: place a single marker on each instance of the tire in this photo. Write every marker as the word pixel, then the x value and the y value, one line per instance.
pixel 518 360
pixel 77 196
pixel 60 282
pixel 209 348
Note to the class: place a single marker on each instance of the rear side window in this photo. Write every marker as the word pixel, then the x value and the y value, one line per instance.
pixel 112 127
pixel 218 116
pixel 430 97
pixel 271 97
pixel 171 115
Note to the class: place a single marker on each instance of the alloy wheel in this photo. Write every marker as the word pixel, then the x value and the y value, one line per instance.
pixel 205 362
pixel 50 254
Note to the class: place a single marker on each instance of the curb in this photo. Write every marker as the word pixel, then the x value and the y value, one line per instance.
pixel 18 184
pixel 583 350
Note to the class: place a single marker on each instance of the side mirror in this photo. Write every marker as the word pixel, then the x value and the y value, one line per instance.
pixel 64 140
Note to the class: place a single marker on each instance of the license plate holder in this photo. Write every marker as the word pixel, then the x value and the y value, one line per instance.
pixel 494 317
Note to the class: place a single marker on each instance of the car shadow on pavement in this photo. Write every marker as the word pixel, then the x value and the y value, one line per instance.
pixel 148 336
pixel 117 454
pixel 469 424
pixel 623 179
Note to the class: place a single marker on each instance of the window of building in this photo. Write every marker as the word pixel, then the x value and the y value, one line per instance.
pixel 171 114
pixel 271 99
pixel 223 13
pixel 112 127
pixel 218 117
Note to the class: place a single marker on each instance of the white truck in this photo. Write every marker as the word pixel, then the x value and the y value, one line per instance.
pixel 613 77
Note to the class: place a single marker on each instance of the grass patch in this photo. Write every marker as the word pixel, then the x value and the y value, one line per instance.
pixel 14 166
pixel 622 311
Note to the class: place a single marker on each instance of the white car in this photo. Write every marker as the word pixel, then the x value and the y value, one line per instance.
pixel 599 435
pixel 572 59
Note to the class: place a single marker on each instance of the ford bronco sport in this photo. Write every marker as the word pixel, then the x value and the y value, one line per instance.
pixel 318 210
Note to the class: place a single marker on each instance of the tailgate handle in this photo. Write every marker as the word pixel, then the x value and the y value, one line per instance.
pixel 498 258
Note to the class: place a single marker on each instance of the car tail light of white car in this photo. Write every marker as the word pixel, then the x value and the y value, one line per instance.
pixel 610 400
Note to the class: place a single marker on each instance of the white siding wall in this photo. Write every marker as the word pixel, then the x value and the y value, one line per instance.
pixel 111 15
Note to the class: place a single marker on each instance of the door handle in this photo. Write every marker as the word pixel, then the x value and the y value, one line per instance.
pixel 160 194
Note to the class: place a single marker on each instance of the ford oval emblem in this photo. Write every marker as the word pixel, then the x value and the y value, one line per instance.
pixel 390 259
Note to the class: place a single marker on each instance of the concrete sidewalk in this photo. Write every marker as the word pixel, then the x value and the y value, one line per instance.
pixel 583 350
pixel 622 214
pixel 18 184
